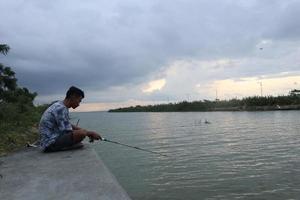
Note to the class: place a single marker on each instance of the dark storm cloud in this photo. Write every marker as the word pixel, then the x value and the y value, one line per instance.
pixel 99 44
pixel 285 25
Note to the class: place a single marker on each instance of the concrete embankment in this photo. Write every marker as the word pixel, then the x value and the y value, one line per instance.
pixel 77 175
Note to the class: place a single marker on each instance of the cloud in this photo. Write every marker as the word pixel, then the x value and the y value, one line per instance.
pixel 255 86
pixel 154 86
pixel 111 49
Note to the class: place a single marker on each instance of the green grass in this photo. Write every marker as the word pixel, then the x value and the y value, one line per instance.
pixel 12 140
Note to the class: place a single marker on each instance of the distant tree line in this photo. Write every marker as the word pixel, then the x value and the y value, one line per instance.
pixel 285 102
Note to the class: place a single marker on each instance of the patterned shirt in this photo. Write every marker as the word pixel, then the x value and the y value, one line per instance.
pixel 54 122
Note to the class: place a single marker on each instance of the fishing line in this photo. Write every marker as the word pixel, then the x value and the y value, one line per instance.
pixel 138 148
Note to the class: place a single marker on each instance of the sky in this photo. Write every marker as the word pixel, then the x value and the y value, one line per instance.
pixel 130 52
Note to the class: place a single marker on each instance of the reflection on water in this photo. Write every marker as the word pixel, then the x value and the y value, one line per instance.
pixel 240 155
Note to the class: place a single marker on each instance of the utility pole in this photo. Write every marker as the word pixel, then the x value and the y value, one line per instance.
pixel 261 88
pixel 217 99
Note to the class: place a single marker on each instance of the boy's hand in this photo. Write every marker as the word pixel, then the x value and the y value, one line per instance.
pixel 93 136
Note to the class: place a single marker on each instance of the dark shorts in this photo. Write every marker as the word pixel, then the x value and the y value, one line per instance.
pixel 62 142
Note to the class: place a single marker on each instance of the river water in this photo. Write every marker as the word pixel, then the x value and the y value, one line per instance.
pixel 238 155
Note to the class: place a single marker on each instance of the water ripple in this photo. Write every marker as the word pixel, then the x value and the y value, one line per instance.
pixel 240 155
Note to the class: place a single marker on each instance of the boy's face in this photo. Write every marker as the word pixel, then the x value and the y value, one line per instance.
pixel 75 101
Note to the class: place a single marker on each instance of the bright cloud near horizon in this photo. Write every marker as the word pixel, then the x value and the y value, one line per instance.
pixel 154 85
pixel 129 52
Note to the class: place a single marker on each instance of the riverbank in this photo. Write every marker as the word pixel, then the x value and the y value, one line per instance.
pixel 79 174
pixel 255 103
pixel 159 108
pixel 13 140
pixel 259 108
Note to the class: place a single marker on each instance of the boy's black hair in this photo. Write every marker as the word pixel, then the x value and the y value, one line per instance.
pixel 74 91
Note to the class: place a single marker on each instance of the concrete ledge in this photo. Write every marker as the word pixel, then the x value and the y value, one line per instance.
pixel 78 174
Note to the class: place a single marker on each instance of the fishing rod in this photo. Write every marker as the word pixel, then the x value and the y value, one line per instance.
pixel 126 145
pixel 138 148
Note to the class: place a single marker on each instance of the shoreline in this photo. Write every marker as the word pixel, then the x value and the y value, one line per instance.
pixel 223 109
pixel 260 108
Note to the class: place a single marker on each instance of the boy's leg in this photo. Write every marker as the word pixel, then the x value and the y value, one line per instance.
pixel 78 136
pixel 65 142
